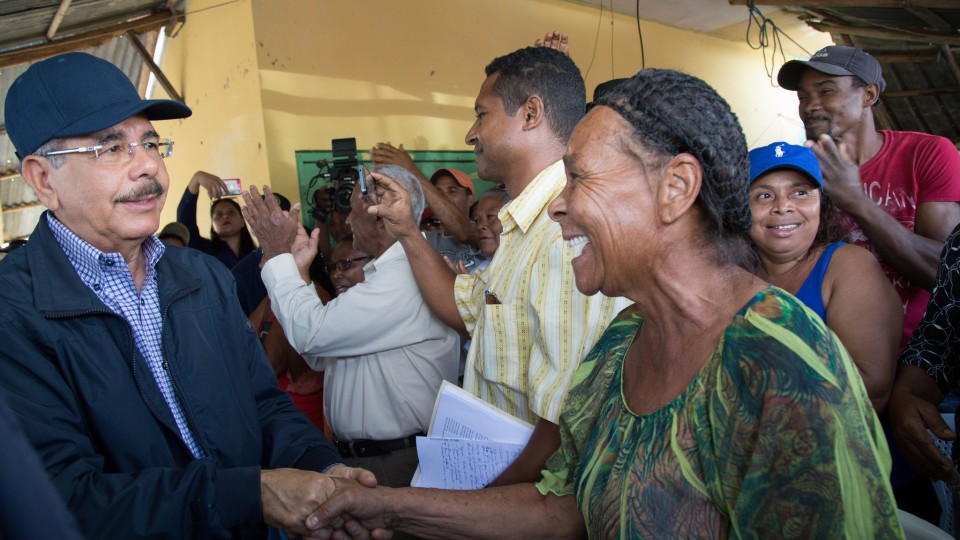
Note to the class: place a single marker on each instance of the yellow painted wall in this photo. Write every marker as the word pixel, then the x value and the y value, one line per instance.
pixel 409 71
pixel 213 62
pixel 268 77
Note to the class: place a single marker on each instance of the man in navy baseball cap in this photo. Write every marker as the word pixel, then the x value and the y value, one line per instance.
pixel 75 94
pixel 130 367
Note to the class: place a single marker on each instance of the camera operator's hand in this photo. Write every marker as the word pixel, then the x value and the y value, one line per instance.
pixel 275 229
pixel 215 187
pixel 392 205
pixel 386 154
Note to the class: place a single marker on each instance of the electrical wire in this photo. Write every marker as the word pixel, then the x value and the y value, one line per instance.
pixel 596 40
pixel 612 17
pixel 643 60
pixel 769 36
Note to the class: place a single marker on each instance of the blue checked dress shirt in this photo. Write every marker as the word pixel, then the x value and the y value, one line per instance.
pixel 108 276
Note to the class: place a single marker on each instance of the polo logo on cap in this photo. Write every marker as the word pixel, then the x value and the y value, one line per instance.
pixel 778 151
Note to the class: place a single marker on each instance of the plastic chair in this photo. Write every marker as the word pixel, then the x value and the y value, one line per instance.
pixel 915 528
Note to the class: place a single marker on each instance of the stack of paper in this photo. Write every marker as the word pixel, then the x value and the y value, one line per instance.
pixel 470 442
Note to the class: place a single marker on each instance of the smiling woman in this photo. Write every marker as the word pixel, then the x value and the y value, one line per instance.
pixel 797 232
pixel 230 240
pixel 718 405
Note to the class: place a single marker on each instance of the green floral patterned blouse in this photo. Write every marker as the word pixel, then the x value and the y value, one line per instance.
pixel 774 438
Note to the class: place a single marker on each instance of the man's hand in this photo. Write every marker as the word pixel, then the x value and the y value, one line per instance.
pixel 555 40
pixel 363 476
pixel 290 496
pixel 386 154
pixel 841 176
pixel 910 418
pixel 275 229
pixel 393 207
pixel 354 508
pixel 304 250
pixel 215 187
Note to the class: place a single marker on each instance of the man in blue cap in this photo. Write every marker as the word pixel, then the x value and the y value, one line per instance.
pixel 130 367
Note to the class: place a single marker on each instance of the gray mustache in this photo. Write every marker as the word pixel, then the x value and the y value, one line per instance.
pixel 146 188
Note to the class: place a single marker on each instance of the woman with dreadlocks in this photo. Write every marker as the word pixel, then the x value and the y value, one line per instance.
pixel 717 406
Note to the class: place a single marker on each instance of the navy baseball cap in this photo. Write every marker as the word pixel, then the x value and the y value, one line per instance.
pixel 834 60
pixel 75 94
pixel 781 155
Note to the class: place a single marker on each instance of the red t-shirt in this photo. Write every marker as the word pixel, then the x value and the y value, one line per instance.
pixel 910 169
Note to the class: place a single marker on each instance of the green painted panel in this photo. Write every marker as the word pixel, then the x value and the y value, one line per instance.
pixel 428 161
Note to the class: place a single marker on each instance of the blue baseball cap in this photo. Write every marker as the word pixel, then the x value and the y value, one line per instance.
pixel 781 155
pixel 75 94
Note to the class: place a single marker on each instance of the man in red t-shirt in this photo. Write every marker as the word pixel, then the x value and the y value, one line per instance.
pixel 899 190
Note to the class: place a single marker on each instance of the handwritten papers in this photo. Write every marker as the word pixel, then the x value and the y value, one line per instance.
pixel 470 442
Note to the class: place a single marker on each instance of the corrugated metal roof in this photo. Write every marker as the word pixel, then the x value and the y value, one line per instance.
pixel 94 26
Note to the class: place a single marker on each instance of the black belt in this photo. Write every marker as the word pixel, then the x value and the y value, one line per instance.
pixel 366 448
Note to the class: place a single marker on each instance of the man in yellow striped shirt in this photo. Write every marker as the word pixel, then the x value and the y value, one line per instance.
pixel 530 326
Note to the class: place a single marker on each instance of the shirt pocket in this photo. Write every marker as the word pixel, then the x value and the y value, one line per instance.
pixel 505 343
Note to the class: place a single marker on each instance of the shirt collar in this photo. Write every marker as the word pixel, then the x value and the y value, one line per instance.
pixel 523 210
pixel 395 251
pixel 89 261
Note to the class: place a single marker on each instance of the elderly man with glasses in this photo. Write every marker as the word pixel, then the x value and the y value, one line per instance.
pixel 383 352
pixel 129 364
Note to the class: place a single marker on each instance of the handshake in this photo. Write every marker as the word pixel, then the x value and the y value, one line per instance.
pixel 343 503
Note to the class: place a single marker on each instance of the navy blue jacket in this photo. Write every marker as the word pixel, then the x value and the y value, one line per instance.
pixel 89 404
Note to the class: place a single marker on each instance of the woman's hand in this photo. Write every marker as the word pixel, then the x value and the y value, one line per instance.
pixel 215 187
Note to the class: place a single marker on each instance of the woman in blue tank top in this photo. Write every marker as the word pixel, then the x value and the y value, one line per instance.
pixel 798 236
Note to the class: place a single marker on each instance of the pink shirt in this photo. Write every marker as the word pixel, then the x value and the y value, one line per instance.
pixel 910 169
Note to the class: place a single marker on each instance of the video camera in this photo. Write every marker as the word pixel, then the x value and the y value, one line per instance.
pixel 341 172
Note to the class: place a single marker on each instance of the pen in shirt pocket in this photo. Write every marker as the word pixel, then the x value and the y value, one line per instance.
pixel 490 298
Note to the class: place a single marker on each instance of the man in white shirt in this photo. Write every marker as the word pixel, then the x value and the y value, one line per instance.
pixel 384 353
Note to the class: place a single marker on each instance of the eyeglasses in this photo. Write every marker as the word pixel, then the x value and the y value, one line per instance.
pixel 344 264
pixel 118 152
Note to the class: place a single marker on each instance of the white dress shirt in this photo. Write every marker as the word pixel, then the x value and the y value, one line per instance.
pixel 384 353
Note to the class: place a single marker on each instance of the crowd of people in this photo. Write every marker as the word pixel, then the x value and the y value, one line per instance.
pixel 709 341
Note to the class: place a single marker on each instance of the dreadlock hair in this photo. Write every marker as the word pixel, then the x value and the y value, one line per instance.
pixel 246 241
pixel 543 72
pixel 674 113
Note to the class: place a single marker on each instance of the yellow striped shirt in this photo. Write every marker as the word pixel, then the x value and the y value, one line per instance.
pixel 525 349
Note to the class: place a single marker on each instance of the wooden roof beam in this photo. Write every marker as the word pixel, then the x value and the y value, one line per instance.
pixel 935 21
pixel 148 60
pixel 886 33
pixel 85 40
pixel 921 92
pixel 57 19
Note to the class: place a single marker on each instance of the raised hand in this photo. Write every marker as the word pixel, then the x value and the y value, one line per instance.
pixel 386 154
pixel 304 249
pixel 392 205
pixel 841 176
pixel 214 185
pixel 555 40
pixel 275 229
